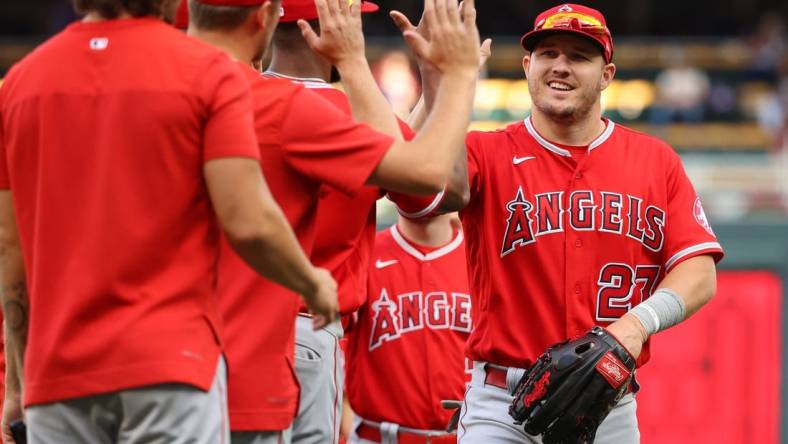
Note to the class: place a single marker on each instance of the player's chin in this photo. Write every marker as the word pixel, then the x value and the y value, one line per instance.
pixel 559 109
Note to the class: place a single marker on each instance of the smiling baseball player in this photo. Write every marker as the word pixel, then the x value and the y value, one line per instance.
pixel 573 221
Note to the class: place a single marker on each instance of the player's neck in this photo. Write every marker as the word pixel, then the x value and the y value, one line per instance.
pixel 435 232
pixel 94 16
pixel 299 64
pixel 575 133
pixel 238 46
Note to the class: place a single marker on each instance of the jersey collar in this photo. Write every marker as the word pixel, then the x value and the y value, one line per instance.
pixel 561 151
pixel 309 82
pixel 451 246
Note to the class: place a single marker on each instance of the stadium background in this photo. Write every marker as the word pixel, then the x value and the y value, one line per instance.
pixel 711 78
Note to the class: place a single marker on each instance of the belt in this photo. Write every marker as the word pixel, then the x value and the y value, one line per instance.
pixel 371 433
pixel 496 377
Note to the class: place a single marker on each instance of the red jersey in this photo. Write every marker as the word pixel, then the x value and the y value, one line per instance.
pixel 559 246
pixel 304 142
pixel 346 225
pixel 418 316
pixel 104 132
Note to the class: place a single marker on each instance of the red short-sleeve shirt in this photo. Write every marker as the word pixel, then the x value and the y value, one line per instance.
pixel 305 143
pixel 346 225
pixel 105 130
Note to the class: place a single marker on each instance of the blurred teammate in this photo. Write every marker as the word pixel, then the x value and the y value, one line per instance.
pixel 305 142
pixel 573 221
pixel 117 174
pixel 405 352
pixel 345 228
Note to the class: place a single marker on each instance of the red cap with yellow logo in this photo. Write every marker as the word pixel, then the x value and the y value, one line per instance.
pixel 575 19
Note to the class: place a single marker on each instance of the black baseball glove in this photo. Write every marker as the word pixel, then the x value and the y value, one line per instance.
pixel 572 387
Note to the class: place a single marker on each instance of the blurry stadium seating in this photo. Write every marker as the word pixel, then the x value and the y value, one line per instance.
pixel 732 153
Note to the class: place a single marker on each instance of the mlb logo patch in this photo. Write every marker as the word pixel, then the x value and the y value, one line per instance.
pixel 99 43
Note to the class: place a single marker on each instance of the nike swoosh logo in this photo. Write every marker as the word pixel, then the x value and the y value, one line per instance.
pixel 383 264
pixel 518 160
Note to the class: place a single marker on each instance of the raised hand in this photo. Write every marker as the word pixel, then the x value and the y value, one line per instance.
pixel 446 38
pixel 341 38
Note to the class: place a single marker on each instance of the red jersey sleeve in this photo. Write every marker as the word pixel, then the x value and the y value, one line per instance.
pixel 687 230
pixel 415 207
pixel 229 126
pixel 323 143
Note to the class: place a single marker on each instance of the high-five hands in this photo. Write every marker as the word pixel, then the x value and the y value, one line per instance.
pixel 341 38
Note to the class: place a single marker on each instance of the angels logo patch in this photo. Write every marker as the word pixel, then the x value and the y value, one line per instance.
pixel 700 216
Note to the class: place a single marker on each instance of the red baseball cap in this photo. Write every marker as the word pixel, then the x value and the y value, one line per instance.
pixel 575 19
pixel 294 10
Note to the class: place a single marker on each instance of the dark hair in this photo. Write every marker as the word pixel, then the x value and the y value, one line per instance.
pixel 111 9
pixel 288 35
pixel 218 18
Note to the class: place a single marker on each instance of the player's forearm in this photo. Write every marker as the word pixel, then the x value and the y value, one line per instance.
pixel 430 81
pixel 694 280
pixel 367 102
pixel 418 115
pixel 424 165
pixel 15 302
pixel 458 193
pixel 442 139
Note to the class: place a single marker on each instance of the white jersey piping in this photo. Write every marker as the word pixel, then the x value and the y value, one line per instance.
pixel 689 250
pixel 424 211
pixel 308 82
pixel 429 256
pixel 529 126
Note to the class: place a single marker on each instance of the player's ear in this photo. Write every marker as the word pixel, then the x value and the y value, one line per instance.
pixel 526 64
pixel 268 14
pixel 608 72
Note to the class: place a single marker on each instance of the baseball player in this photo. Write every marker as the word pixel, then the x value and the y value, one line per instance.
pixel 573 221
pixel 345 235
pixel 306 142
pixel 117 175
pixel 406 349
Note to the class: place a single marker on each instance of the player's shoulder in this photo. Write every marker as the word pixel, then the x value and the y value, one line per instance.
pixel 633 139
pixel 505 138
pixel 384 238
pixel 498 133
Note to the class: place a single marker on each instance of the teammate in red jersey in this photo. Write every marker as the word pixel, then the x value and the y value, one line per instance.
pixel 117 175
pixel 345 231
pixel 573 221
pixel 306 141
pixel 405 352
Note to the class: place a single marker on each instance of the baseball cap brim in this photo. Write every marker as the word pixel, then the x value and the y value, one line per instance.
pixel 531 39
pixel 295 14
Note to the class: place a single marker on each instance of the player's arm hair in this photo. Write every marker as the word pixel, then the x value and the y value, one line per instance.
pixel 13 294
pixel 694 280
pixel 684 290
pixel 254 224
pixel 425 164
pixel 458 191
